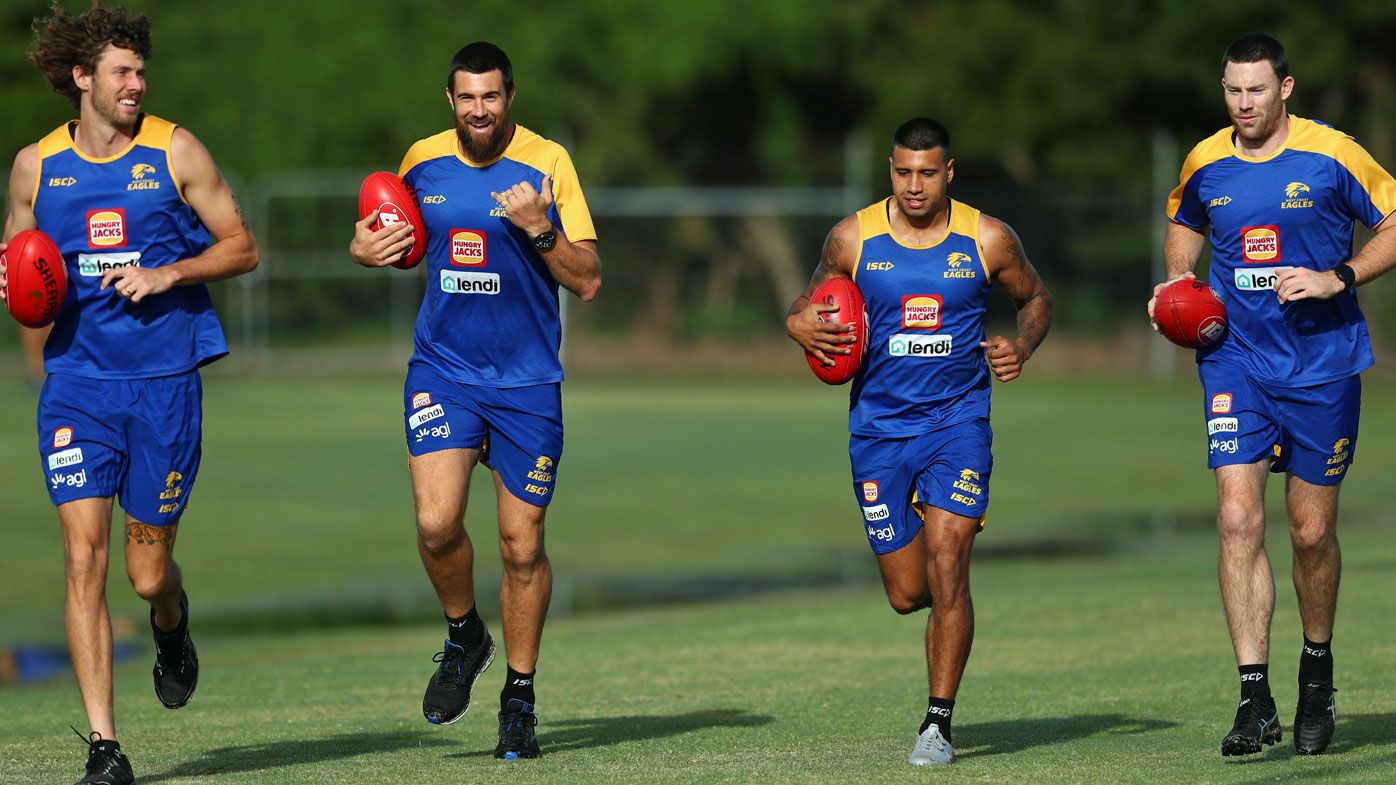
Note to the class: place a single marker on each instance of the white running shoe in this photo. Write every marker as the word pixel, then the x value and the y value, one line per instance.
pixel 931 749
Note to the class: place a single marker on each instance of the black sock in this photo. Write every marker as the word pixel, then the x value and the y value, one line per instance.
pixel 1316 663
pixel 466 631
pixel 938 712
pixel 1255 681
pixel 517 686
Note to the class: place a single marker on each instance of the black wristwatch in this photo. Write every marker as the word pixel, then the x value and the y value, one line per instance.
pixel 545 241
pixel 1346 275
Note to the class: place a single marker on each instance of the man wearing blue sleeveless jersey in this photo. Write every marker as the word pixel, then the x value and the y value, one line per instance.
pixel 919 439
pixel 506 225
pixel 1281 390
pixel 131 200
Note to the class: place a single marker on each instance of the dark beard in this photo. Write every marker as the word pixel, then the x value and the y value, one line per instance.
pixel 492 147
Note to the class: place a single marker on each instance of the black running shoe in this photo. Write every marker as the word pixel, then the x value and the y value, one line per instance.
pixel 448 693
pixel 1257 723
pixel 176 669
pixel 1313 720
pixel 516 737
pixel 106 763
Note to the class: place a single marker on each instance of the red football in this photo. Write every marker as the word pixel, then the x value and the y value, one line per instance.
pixel 395 203
pixel 36 281
pixel 843 293
pixel 1190 314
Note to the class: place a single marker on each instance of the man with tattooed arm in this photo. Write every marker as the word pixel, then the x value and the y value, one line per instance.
pixel 919 439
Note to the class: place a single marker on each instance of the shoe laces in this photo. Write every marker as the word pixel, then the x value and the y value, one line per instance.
pixel 97 756
pixel 1253 711
pixel 518 726
pixel 1316 699
pixel 171 656
pixel 452 664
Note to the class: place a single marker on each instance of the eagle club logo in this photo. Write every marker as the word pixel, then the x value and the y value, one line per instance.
pixel 1294 197
pixel 467 248
pixel 138 181
pixel 1260 244
pixel 921 311
pixel 960 264
pixel 106 228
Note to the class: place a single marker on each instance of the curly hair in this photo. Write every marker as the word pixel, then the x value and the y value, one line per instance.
pixel 63 40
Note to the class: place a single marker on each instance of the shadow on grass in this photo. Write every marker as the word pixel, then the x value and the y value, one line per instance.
pixel 597 732
pixel 1000 738
pixel 275 755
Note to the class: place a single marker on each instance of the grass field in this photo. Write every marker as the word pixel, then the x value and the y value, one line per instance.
pixel 1101 654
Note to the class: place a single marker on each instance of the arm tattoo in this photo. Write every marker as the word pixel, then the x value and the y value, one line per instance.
pixel 833 250
pixel 145 534
pixel 1010 242
pixel 237 208
pixel 1023 285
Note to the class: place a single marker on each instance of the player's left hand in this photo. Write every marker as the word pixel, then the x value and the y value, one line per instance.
pixel 1301 283
pixel 137 283
pixel 1005 358
pixel 527 208
pixel 4 279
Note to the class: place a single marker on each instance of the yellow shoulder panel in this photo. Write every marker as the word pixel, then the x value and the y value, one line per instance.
pixel 550 158
pixel 872 221
pixel 155 132
pixel 1311 137
pixel 1209 150
pixel 438 146
pixel 964 219
pixel 57 140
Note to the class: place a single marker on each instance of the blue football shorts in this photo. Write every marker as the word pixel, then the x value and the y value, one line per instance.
pixel 947 468
pixel 519 429
pixel 135 439
pixel 1310 432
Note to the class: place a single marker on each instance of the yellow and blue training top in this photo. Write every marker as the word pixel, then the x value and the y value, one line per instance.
pixel 490 313
pixel 1292 208
pixel 923 367
pixel 105 213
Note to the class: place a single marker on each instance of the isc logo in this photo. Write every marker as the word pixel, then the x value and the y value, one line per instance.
pixel 106 228
pixel 436 199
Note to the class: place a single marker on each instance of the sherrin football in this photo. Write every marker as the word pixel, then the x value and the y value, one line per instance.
pixel 844 294
pixel 1190 314
pixel 395 203
pixel 36 281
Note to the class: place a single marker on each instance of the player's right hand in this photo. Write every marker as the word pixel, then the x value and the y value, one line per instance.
pixel 4 281
pixel 819 338
pixel 383 247
pixel 1159 288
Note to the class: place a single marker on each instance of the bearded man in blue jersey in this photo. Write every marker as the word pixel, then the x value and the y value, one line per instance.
pixel 920 442
pixel 143 219
pixel 1281 391
pixel 506 226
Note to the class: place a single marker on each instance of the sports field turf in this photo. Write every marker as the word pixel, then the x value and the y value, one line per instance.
pixel 1101 655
